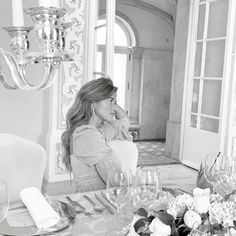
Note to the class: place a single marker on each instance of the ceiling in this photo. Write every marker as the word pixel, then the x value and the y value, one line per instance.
pixel 168 6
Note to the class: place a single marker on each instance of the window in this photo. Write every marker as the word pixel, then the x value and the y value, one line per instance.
pixel 124 40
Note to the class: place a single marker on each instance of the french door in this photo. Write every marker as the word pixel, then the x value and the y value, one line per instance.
pixel 208 76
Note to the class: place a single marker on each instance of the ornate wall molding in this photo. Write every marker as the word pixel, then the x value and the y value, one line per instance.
pixel 63 92
pixel 73 71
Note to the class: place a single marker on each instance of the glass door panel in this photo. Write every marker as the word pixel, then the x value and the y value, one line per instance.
pixel 198 60
pixel 201 21
pixel 100 39
pixel 217 17
pixel 120 39
pixel 209 124
pixel 195 96
pixel 214 61
pixel 193 122
pixel 99 61
pixel 119 77
pixel 101 32
pixel 211 97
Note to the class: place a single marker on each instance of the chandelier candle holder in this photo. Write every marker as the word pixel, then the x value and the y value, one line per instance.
pixel 50 32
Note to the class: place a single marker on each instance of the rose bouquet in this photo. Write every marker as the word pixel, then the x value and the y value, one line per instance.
pixel 185 214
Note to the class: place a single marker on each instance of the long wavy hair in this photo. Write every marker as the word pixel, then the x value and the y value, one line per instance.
pixel 81 111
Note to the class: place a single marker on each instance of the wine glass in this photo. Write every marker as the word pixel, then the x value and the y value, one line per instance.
pixel 215 166
pixel 147 186
pixel 4 202
pixel 227 180
pixel 120 193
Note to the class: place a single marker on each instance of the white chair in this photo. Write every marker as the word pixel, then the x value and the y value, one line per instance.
pixel 127 153
pixel 22 163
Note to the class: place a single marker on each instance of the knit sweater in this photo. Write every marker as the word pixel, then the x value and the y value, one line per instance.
pixel 92 159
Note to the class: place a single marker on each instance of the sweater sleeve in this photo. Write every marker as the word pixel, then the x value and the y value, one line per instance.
pixel 90 147
pixel 117 130
pixel 106 166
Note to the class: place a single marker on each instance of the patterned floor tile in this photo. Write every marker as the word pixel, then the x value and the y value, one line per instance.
pixel 152 153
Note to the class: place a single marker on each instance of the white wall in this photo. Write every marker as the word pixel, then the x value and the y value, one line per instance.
pixel 153 31
pixel 152 71
pixel 22 113
pixel 157 70
pixel 177 84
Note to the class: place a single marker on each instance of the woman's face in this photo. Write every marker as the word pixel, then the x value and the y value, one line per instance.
pixel 105 108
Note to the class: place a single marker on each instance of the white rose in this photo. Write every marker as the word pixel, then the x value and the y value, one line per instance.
pixel 201 204
pixel 172 211
pixel 192 219
pixel 158 228
pixel 232 232
pixel 201 200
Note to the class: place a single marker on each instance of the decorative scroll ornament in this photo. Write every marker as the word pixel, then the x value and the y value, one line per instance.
pixel 73 70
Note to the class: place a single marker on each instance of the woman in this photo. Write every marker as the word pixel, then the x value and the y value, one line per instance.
pixel 94 120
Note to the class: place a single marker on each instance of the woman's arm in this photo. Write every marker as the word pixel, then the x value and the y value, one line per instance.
pixel 118 128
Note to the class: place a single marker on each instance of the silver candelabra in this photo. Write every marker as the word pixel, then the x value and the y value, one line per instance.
pixel 50 31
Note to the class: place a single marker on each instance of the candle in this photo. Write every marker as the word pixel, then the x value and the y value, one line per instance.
pixel 17 13
pixel 49 3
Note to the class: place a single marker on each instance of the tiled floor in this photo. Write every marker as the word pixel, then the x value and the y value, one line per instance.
pixel 174 176
pixel 152 153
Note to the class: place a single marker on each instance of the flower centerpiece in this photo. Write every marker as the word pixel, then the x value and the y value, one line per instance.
pixel 199 214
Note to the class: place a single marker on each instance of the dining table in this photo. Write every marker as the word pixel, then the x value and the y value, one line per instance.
pixel 86 222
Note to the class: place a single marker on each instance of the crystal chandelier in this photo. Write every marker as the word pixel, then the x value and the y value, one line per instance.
pixel 49 30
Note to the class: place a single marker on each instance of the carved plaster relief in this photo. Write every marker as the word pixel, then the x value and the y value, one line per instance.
pixel 71 75
pixel 73 71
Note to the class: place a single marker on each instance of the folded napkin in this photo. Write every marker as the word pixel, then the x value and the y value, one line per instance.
pixel 41 211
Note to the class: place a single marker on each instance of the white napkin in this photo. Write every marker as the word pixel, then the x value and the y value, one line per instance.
pixel 41 211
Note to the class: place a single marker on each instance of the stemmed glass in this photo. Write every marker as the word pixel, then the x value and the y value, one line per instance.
pixel 119 189
pixel 120 193
pixel 147 186
pixel 216 167
pixel 227 180
pixel 4 203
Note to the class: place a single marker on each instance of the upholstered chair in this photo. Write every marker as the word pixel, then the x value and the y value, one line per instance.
pixel 22 163
pixel 127 153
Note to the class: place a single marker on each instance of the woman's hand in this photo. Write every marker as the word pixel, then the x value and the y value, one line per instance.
pixel 119 112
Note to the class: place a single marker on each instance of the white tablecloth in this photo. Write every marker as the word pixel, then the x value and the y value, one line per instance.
pixel 99 224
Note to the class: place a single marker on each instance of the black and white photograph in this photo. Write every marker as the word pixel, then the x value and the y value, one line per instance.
pixel 118 117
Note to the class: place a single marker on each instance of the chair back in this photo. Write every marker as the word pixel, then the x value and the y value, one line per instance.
pixel 22 163
pixel 127 153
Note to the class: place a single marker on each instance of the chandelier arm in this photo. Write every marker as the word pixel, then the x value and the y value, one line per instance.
pixel 4 82
pixel 19 77
pixel 50 70
pixel 13 68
